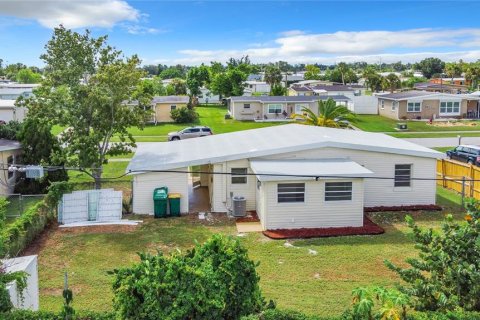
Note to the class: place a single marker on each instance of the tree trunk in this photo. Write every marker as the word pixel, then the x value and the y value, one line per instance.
pixel 97 176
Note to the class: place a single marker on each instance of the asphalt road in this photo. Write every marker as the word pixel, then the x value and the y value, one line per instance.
pixel 444 142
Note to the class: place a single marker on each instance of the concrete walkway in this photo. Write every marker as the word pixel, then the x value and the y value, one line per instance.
pixel 443 142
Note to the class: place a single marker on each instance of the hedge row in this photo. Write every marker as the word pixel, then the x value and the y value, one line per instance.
pixel 44 315
pixel 19 234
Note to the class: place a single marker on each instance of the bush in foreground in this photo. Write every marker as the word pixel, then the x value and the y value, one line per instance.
pixel 215 280
pixel 184 115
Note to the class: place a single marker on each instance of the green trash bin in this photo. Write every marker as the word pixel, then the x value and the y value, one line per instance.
pixel 174 202
pixel 160 196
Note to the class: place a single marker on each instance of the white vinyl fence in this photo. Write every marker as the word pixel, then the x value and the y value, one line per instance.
pixel 365 105
pixel 28 299
pixel 90 205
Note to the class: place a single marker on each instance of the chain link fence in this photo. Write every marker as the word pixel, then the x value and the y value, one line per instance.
pixel 20 203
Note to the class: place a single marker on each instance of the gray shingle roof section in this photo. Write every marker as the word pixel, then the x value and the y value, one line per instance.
pixel 332 87
pixel 170 99
pixel 257 143
pixel 406 95
pixel 9 145
pixel 288 98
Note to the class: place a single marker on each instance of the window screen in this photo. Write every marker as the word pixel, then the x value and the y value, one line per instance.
pixel 403 175
pixel 239 175
pixel 337 191
pixel 291 192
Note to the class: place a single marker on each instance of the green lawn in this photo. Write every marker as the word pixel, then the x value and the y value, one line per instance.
pixel 376 123
pixel 316 284
pixel 443 149
pixel 435 134
pixel 113 169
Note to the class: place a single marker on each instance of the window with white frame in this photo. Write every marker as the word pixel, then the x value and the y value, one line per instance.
pixel 338 191
pixel 382 104
pixel 275 108
pixel 290 192
pixel 414 106
pixel 246 106
pixel 239 175
pixel 450 107
pixel 403 175
pixel 394 105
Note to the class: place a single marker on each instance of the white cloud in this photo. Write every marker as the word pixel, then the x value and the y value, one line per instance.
pixel 71 13
pixel 138 29
pixel 372 46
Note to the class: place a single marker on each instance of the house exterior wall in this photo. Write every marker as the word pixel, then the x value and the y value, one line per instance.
pixel 162 111
pixel 430 109
pixel 315 212
pixel 385 108
pixel 222 186
pixel 239 112
pixel 7 184
pixel 380 192
pixel 144 184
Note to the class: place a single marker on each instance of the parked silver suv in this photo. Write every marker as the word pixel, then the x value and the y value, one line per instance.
pixel 190 132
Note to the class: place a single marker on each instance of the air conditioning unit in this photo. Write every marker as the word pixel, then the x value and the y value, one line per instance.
pixel 239 206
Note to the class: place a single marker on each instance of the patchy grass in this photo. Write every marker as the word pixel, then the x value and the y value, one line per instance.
pixel 435 134
pixel 443 149
pixel 315 284
pixel 113 169
pixel 376 123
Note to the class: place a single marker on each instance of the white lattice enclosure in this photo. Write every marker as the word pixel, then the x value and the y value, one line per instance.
pixel 90 205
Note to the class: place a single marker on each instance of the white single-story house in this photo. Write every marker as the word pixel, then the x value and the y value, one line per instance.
pixel 292 175
pixel 9 112
pixel 10 153
pixel 272 108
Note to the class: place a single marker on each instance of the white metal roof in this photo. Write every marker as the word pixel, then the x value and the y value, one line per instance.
pixel 7 103
pixel 281 170
pixel 264 142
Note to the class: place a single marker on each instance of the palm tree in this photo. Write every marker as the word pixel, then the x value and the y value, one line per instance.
pixel 392 82
pixel 273 75
pixel 329 115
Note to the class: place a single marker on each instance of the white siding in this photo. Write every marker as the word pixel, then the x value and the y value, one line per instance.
pixel 222 186
pixel 144 184
pixel 260 205
pixel 315 212
pixel 382 192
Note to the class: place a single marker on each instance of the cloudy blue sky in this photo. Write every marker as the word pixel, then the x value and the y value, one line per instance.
pixel 192 32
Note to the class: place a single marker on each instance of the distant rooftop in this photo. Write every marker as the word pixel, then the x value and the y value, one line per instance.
pixel 288 98
pixel 423 94
pixel 170 99
pixel 9 145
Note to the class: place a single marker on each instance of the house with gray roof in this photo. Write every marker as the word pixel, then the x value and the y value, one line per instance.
pixel 163 106
pixel 427 105
pixel 276 108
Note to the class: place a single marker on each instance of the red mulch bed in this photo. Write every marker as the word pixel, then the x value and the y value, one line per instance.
pixel 369 228
pixel 425 207
pixel 251 217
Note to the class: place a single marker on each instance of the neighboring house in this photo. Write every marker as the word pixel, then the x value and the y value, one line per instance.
pixel 15 93
pixel 457 81
pixel 349 91
pixel 440 87
pixel 427 105
pixel 257 87
pixel 206 96
pixel 271 108
pixel 292 175
pixel 10 153
pixel 14 85
pixel 9 112
pixel 163 105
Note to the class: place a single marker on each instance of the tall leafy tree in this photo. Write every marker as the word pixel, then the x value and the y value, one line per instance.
pixel 273 75
pixel 197 77
pixel 373 80
pixel 229 83
pixel 343 69
pixel 312 72
pixel 430 66
pixel 85 88
pixel 28 76
pixel 329 115
pixel 453 69
pixel 391 82
pixel 177 87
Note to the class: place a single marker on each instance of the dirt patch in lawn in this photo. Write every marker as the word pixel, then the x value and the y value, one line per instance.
pixel 211 218
pixel 444 124
pixel 368 228
pixel 99 229
pixel 251 216
pixel 40 241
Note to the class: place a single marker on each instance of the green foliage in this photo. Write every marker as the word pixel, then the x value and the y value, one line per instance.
pixel 150 88
pixel 410 82
pixel 56 191
pixel 273 75
pixel 215 280
pixel 312 72
pixel 85 88
pixel 229 83
pixel 278 90
pixel 19 234
pixel 172 73
pixel 329 115
pixel 378 303
pixel 28 76
pixel 197 77
pixel 445 276
pixel 10 130
pixel 276 314
pixel 184 115
pixel 44 315
pixel 430 67
pixel 67 311
pixel 391 82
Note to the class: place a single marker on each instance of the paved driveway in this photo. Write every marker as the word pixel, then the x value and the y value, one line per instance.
pixel 444 142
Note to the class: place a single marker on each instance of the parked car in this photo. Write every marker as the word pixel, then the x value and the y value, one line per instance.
pixel 465 153
pixel 190 132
